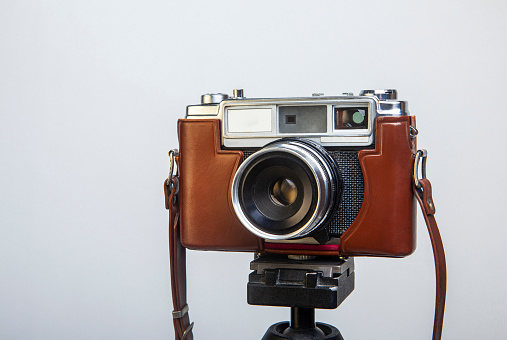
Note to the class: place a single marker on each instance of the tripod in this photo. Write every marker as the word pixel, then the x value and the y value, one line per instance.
pixel 302 283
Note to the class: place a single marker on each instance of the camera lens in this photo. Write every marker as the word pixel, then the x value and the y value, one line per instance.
pixel 286 190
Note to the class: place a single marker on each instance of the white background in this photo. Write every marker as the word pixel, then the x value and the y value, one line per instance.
pixel 90 92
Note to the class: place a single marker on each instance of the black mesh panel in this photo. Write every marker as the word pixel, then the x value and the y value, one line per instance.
pixel 353 191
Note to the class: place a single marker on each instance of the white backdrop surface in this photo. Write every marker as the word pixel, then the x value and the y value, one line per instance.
pixel 90 92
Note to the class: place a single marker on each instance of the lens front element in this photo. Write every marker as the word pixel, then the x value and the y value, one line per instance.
pixel 286 190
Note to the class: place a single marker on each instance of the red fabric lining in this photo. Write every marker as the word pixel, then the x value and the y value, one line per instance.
pixel 296 246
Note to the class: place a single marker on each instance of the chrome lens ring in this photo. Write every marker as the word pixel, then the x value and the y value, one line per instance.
pixel 317 187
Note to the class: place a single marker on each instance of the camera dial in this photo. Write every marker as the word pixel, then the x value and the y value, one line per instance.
pixel 213 98
pixel 381 94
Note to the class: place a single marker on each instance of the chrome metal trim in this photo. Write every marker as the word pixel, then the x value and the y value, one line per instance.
pixel 384 94
pixel 413 132
pixel 172 156
pixel 380 103
pixel 238 94
pixel 420 155
pixel 302 257
pixel 331 102
pixel 321 173
pixel 180 313
pixel 317 265
pixel 202 111
pixel 213 98
pixel 188 330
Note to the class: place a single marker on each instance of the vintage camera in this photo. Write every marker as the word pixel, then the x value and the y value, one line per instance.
pixel 319 175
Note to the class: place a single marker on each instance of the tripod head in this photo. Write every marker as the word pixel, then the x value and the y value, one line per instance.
pixel 302 283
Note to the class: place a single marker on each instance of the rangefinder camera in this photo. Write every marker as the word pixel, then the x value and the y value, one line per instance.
pixel 318 175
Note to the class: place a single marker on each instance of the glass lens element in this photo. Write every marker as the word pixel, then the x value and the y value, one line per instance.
pixel 284 191
pixel 351 118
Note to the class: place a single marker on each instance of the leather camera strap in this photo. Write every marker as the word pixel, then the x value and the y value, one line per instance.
pixel 182 325
pixel 177 258
pixel 425 199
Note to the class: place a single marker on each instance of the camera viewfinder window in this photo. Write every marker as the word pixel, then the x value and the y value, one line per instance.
pixel 249 120
pixel 290 119
pixel 302 119
pixel 351 118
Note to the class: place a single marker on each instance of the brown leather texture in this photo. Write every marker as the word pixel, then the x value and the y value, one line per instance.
pixel 425 199
pixel 178 264
pixel 385 225
pixel 208 221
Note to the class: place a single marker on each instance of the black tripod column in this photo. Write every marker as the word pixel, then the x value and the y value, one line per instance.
pixel 302 325
pixel 302 318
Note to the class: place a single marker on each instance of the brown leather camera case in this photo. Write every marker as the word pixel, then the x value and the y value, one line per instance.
pixel 208 221
pixel 385 225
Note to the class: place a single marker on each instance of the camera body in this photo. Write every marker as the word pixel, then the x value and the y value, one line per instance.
pixel 321 175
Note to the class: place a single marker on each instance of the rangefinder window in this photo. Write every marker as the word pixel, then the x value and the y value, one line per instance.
pixel 302 119
pixel 351 118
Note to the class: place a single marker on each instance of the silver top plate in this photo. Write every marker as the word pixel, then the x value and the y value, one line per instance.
pixel 328 120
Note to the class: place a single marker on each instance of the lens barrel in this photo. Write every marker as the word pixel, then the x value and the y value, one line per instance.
pixel 288 189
